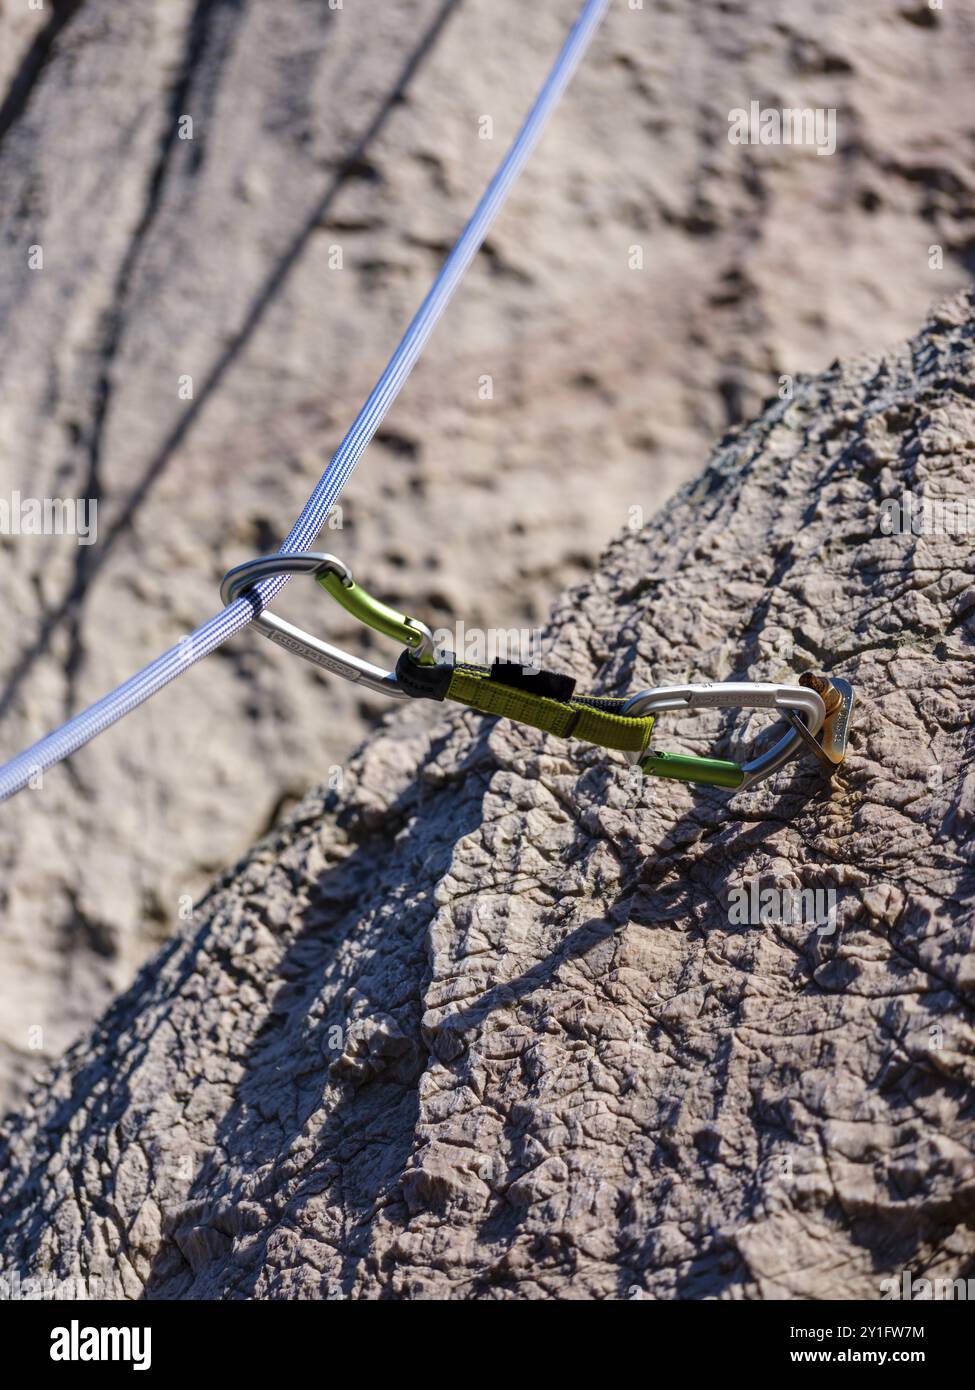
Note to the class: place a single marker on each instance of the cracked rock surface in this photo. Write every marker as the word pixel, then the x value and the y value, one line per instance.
pixel 481 1023
pixel 316 132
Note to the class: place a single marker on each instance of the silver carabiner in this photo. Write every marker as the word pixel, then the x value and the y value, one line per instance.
pixel 803 705
pixel 416 635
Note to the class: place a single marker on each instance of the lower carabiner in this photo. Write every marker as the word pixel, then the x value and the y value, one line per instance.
pixel 808 707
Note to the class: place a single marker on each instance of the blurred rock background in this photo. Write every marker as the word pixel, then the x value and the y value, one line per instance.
pixel 646 288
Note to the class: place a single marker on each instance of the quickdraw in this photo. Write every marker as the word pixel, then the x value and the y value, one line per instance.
pixel 818 708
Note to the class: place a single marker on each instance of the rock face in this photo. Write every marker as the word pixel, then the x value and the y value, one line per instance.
pixel 647 286
pixel 485 1021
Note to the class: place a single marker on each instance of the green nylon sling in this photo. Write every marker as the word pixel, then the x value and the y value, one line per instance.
pixel 592 719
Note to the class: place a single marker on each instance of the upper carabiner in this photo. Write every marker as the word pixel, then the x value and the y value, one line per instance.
pixel 336 577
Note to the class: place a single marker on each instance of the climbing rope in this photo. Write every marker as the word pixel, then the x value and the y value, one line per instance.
pixel 71 736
